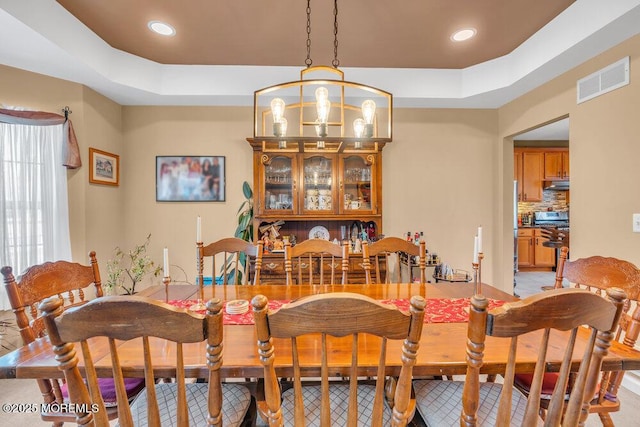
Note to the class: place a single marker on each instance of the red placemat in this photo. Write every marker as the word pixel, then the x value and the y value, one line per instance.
pixel 454 310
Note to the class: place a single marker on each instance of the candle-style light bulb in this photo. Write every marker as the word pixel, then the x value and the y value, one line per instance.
pixel 368 111
pixel 277 110
pixel 358 131
pixel 358 127
pixel 369 114
pixel 322 93
pixel 283 132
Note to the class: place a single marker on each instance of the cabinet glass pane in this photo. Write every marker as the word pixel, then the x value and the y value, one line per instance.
pixel 318 179
pixel 278 184
pixel 357 184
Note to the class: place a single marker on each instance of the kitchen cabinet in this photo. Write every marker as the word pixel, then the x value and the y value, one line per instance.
pixel 526 250
pixel 528 171
pixel 309 189
pixel 556 165
pixel 532 252
pixel 543 256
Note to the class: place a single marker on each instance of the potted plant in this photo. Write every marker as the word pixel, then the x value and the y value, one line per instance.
pixel 244 231
pixel 126 270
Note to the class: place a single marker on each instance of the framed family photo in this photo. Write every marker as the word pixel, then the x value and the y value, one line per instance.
pixel 190 179
pixel 105 167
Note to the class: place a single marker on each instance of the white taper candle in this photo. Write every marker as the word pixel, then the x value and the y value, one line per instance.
pixel 166 262
pixel 475 250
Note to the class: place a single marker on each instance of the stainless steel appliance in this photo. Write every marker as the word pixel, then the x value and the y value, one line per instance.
pixel 559 220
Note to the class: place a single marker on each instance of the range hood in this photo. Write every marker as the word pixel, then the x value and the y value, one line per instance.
pixel 555 185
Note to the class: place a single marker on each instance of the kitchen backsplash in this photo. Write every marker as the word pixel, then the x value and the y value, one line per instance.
pixel 556 200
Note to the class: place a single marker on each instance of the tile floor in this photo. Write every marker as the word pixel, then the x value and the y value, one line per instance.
pixel 26 391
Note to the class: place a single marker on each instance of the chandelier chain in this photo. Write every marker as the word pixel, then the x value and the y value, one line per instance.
pixel 308 61
pixel 335 62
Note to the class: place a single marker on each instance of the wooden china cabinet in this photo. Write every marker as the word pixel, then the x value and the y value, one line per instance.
pixel 316 189
pixel 314 194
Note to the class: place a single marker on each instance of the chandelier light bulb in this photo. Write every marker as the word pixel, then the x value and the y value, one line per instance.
pixel 277 109
pixel 358 127
pixel 282 132
pixel 368 111
pixel 322 93
pixel 323 107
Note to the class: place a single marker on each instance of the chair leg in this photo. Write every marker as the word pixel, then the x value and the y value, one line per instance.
pixel 606 420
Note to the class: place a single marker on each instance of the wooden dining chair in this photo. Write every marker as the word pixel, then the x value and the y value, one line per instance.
pixel 338 314
pixel 126 318
pixel 71 281
pixel 597 274
pixel 553 312
pixel 235 261
pixel 313 260
pixel 376 256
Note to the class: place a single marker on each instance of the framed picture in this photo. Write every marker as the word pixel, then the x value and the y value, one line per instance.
pixel 105 167
pixel 190 179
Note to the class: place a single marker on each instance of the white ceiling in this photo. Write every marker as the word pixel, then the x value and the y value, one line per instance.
pixel 556 131
pixel 41 36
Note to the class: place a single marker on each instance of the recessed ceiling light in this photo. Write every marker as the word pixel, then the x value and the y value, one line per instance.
pixel 161 28
pixel 463 35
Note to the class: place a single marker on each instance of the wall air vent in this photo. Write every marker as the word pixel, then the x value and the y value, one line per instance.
pixel 605 80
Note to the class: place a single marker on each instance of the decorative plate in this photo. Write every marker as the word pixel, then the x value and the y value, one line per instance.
pixel 319 232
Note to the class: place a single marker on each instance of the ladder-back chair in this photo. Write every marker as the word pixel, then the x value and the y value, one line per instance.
pixel 125 318
pixel 556 311
pixel 597 274
pixel 235 262
pixel 69 281
pixel 378 253
pixel 314 259
pixel 336 314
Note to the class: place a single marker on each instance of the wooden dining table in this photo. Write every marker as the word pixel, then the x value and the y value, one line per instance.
pixel 442 345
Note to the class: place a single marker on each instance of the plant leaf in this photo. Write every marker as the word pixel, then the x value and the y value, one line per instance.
pixel 246 190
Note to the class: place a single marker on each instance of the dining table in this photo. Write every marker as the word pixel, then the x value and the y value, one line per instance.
pixel 442 345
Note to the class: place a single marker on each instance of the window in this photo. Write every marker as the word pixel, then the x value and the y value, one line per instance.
pixel 34 213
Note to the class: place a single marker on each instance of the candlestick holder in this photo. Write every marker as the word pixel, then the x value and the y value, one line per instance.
pixel 476 284
pixel 480 258
pixel 166 280
pixel 199 305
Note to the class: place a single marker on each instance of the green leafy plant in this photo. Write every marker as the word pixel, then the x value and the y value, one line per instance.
pixel 126 270
pixel 244 231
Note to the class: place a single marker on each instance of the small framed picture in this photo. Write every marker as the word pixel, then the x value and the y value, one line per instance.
pixel 190 178
pixel 105 167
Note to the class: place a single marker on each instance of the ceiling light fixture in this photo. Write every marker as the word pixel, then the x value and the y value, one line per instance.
pixel 464 34
pixel 161 28
pixel 318 109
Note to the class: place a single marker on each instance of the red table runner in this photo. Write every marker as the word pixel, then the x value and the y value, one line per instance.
pixel 453 310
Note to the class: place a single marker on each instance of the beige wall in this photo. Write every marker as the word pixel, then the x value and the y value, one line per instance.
pixel 446 172
pixel 604 153
pixel 182 131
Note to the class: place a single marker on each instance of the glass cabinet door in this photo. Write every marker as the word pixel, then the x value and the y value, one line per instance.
pixel 318 184
pixel 279 184
pixel 358 184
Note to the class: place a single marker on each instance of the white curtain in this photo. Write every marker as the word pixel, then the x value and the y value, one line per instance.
pixel 34 212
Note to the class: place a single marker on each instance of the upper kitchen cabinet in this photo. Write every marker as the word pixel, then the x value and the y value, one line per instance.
pixel 529 172
pixel 556 165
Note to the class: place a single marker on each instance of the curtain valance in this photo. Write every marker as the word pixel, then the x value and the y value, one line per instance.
pixel 41 118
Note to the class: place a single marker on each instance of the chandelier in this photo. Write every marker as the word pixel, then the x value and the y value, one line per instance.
pixel 321 112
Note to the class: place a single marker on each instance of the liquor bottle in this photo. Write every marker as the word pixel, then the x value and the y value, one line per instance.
pixel 416 238
pixel 408 236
